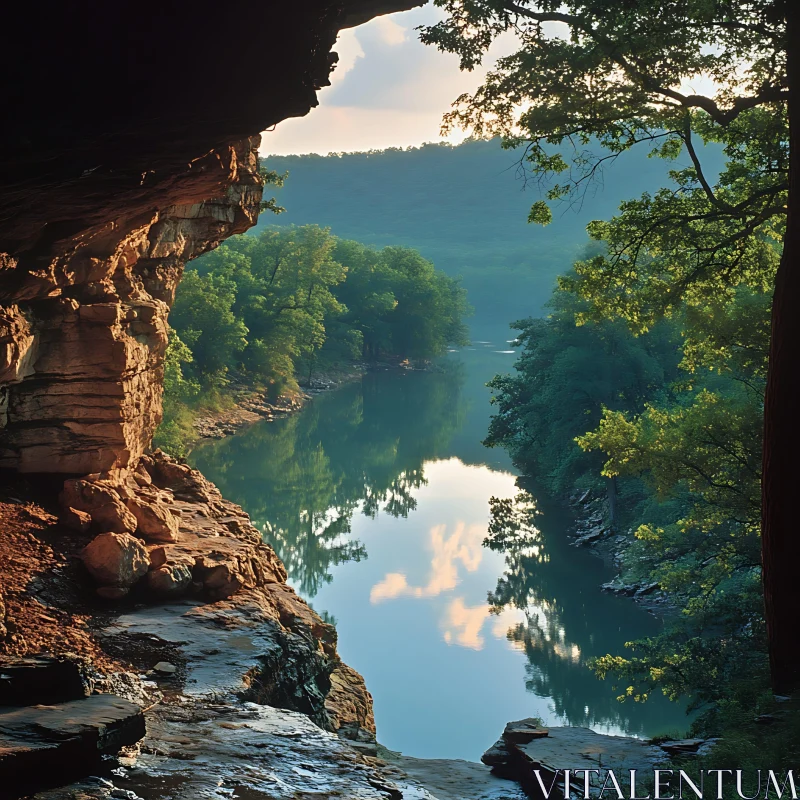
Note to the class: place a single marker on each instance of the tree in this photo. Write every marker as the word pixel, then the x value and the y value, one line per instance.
pixel 595 71
pixel 204 318
pixel 565 376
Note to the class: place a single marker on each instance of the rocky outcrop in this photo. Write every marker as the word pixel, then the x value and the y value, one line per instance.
pixel 85 339
pixel 202 542
pixel 527 753
pixel 132 150
pixel 44 741
pixel 537 757
pixel 116 559
pixel 349 706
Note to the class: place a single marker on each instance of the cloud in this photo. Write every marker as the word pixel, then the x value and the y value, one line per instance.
pixel 390 31
pixel 336 130
pixel 393 585
pixel 463 545
pixel 463 624
pixel 388 90
pixel 349 50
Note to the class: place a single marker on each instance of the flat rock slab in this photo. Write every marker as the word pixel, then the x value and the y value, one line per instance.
pixel 446 779
pixel 39 741
pixel 26 681
pixel 582 748
pixel 221 642
pixel 519 756
pixel 206 752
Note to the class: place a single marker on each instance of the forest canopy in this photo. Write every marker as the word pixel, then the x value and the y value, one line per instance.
pixel 274 308
pixel 706 465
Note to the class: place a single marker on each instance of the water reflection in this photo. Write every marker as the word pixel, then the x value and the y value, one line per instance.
pixel 466 613
pixel 566 622
pixel 464 545
pixel 358 450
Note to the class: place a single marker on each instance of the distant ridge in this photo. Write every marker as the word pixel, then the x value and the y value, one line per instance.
pixel 465 208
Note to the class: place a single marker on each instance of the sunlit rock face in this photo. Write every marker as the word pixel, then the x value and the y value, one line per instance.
pixel 85 340
pixel 131 149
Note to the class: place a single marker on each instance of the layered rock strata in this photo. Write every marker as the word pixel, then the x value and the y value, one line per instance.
pixel 110 183
pixel 82 345
pixel 165 532
pixel 133 149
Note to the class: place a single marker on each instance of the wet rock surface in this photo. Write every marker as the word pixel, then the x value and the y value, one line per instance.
pixel 448 779
pixel 30 681
pixel 242 694
pixel 526 748
pixel 39 742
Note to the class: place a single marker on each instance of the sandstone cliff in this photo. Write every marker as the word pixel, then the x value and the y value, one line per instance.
pixel 132 150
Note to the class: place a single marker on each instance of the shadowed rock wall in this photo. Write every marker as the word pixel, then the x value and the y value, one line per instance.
pixel 131 150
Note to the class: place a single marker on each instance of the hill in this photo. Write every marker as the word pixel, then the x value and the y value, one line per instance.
pixel 465 208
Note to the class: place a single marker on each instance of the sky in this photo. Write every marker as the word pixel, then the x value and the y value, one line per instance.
pixel 388 90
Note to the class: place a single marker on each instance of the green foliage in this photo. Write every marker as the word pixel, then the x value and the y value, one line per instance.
pixel 272 178
pixel 464 208
pixel 610 77
pixel 676 425
pixel 269 308
pixel 565 376
pixel 701 253
pixel 205 321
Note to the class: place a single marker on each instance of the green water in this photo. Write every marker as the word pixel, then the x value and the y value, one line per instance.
pixel 376 497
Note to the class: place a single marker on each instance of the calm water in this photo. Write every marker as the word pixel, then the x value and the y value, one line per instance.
pixel 376 497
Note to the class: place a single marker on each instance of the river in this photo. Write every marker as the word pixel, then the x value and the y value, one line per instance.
pixel 376 497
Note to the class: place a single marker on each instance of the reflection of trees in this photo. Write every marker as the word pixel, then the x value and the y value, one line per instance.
pixel 566 623
pixel 360 448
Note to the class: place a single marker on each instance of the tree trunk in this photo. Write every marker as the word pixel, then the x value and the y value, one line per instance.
pixel 780 515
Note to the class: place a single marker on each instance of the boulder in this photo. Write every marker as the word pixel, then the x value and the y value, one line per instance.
pixel 75 520
pixel 101 502
pixel 155 523
pixel 158 556
pixel 497 755
pixel 42 679
pixel 116 559
pixel 142 476
pixel 524 731
pixel 169 580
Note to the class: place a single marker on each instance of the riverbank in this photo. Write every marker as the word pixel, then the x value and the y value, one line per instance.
pixel 592 531
pixel 250 405
pixel 246 404
pixel 227 683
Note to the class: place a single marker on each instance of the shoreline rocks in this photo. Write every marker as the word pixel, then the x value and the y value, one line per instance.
pixel 526 748
pixel 253 406
pixel 593 532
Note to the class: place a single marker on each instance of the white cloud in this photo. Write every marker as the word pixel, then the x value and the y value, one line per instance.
pixel 388 90
pixel 349 50
pixel 463 545
pixel 391 32
pixel 331 129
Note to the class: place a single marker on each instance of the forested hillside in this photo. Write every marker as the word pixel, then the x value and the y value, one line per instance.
pixel 666 376
pixel 274 308
pixel 465 208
